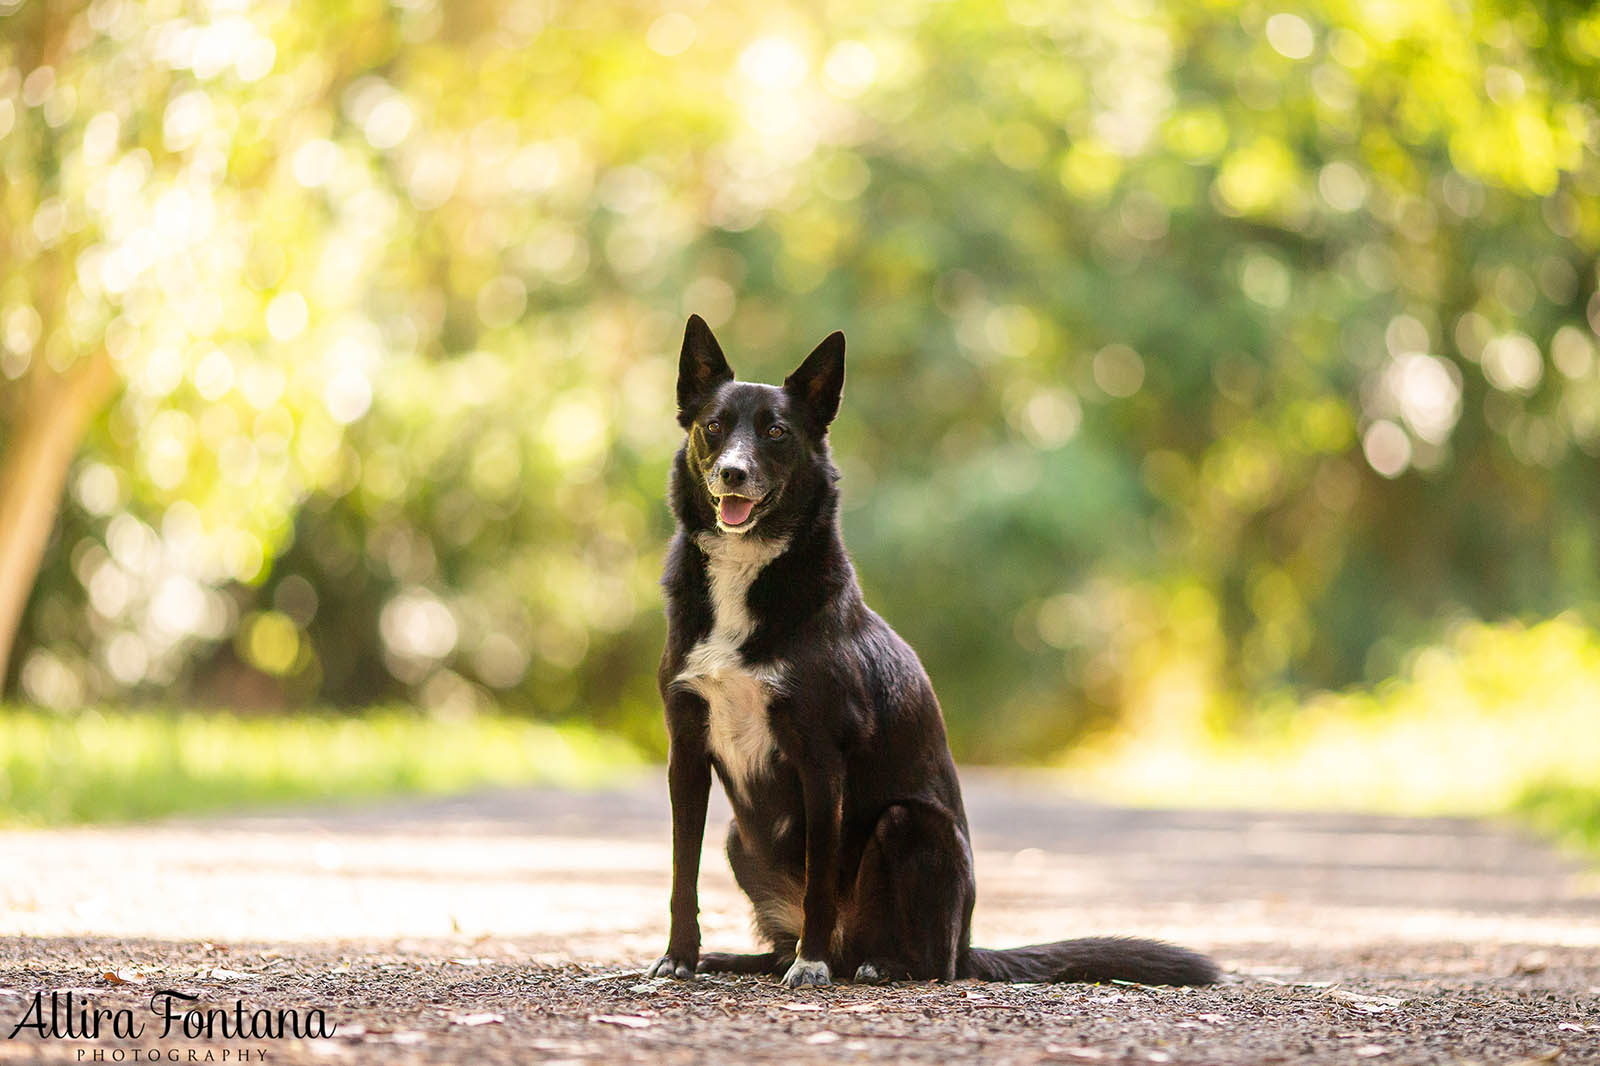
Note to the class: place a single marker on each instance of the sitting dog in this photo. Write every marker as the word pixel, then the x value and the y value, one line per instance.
pixel 849 834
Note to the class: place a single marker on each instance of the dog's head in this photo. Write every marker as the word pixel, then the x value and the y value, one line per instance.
pixel 753 450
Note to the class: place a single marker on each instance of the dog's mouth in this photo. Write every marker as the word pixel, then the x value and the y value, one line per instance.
pixel 736 512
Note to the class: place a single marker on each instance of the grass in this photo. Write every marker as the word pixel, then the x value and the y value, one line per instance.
pixel 1568 812
pixel 105 765
pixel 1498 719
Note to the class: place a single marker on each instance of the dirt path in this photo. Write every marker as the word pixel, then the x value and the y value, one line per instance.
pixel 503 928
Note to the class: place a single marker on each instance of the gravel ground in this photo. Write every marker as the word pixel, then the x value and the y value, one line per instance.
pixel 511 927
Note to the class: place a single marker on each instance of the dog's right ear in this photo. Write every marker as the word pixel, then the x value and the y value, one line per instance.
pixel 701 368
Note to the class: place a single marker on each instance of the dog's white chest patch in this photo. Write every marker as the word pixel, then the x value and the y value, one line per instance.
pixel 737 694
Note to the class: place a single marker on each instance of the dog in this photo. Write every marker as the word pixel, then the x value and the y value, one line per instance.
pixel 849 834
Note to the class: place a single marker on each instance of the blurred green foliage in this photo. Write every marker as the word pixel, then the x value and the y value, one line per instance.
pixel 1490 719
pixel 103 765
pixel 1568 811
pixel 1199 353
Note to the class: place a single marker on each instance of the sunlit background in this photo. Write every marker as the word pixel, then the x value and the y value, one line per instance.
pixel 1204 357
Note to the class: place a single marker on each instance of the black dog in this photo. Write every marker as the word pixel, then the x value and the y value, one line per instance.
pixel 849 835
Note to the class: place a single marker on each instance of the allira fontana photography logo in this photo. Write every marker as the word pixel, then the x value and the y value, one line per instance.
pixel 172 1015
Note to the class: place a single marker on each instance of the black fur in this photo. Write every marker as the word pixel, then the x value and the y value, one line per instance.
pixel 849 834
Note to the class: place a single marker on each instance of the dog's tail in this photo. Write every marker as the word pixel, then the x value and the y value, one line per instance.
pixel 1095 958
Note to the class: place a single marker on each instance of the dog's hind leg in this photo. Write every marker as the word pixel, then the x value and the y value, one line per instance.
pixel 776 897
pixel 767 962
pixel 910 914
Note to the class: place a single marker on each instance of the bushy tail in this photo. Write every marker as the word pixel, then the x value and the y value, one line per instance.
pixel 1095 958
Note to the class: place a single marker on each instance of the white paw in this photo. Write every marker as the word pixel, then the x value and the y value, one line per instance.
pixel 806 972
pixel 667 966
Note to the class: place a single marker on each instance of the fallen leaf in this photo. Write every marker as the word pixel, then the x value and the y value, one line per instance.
pixel 122 977
pixel 222 973
pixel 1363 1003
pixel 477 1019
pixel 631 1021
pixel 1572 1027
pixel 614 977
pixel 858 1008
pixel 801 1006
pixel 1549 1056
pixel 1533 962
pixel 824 1037
pixel 539 1043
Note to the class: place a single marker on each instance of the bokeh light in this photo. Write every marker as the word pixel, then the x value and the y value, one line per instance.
pixel 1197 355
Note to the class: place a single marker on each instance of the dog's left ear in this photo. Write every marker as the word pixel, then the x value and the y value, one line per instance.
pixel 819 381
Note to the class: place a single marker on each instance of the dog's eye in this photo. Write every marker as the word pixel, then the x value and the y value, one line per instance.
pixel 775 431
pixel 713 428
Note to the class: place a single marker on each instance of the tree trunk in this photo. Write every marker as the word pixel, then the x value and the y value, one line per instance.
pixel 36 453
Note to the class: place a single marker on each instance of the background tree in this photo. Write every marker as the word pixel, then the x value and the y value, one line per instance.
pixel 165 250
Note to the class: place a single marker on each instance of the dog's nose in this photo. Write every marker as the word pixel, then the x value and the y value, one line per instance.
pixel 733 476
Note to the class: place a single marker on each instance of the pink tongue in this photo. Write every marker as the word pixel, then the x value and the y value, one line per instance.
pixel 735 509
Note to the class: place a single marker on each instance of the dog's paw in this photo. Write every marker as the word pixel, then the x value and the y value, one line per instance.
pixel 806 973
pixel 668 966
pixel 881 972
pixel 867 974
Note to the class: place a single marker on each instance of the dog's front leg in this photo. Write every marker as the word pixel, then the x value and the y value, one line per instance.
pixel 689 786
pixel 823 784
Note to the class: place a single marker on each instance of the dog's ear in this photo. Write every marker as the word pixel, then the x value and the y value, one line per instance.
pixel 701 368
pixel 819 381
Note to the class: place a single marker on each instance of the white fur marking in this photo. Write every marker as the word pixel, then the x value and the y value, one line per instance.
pixel 739 452
pixel 737 694
pixel 781 913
